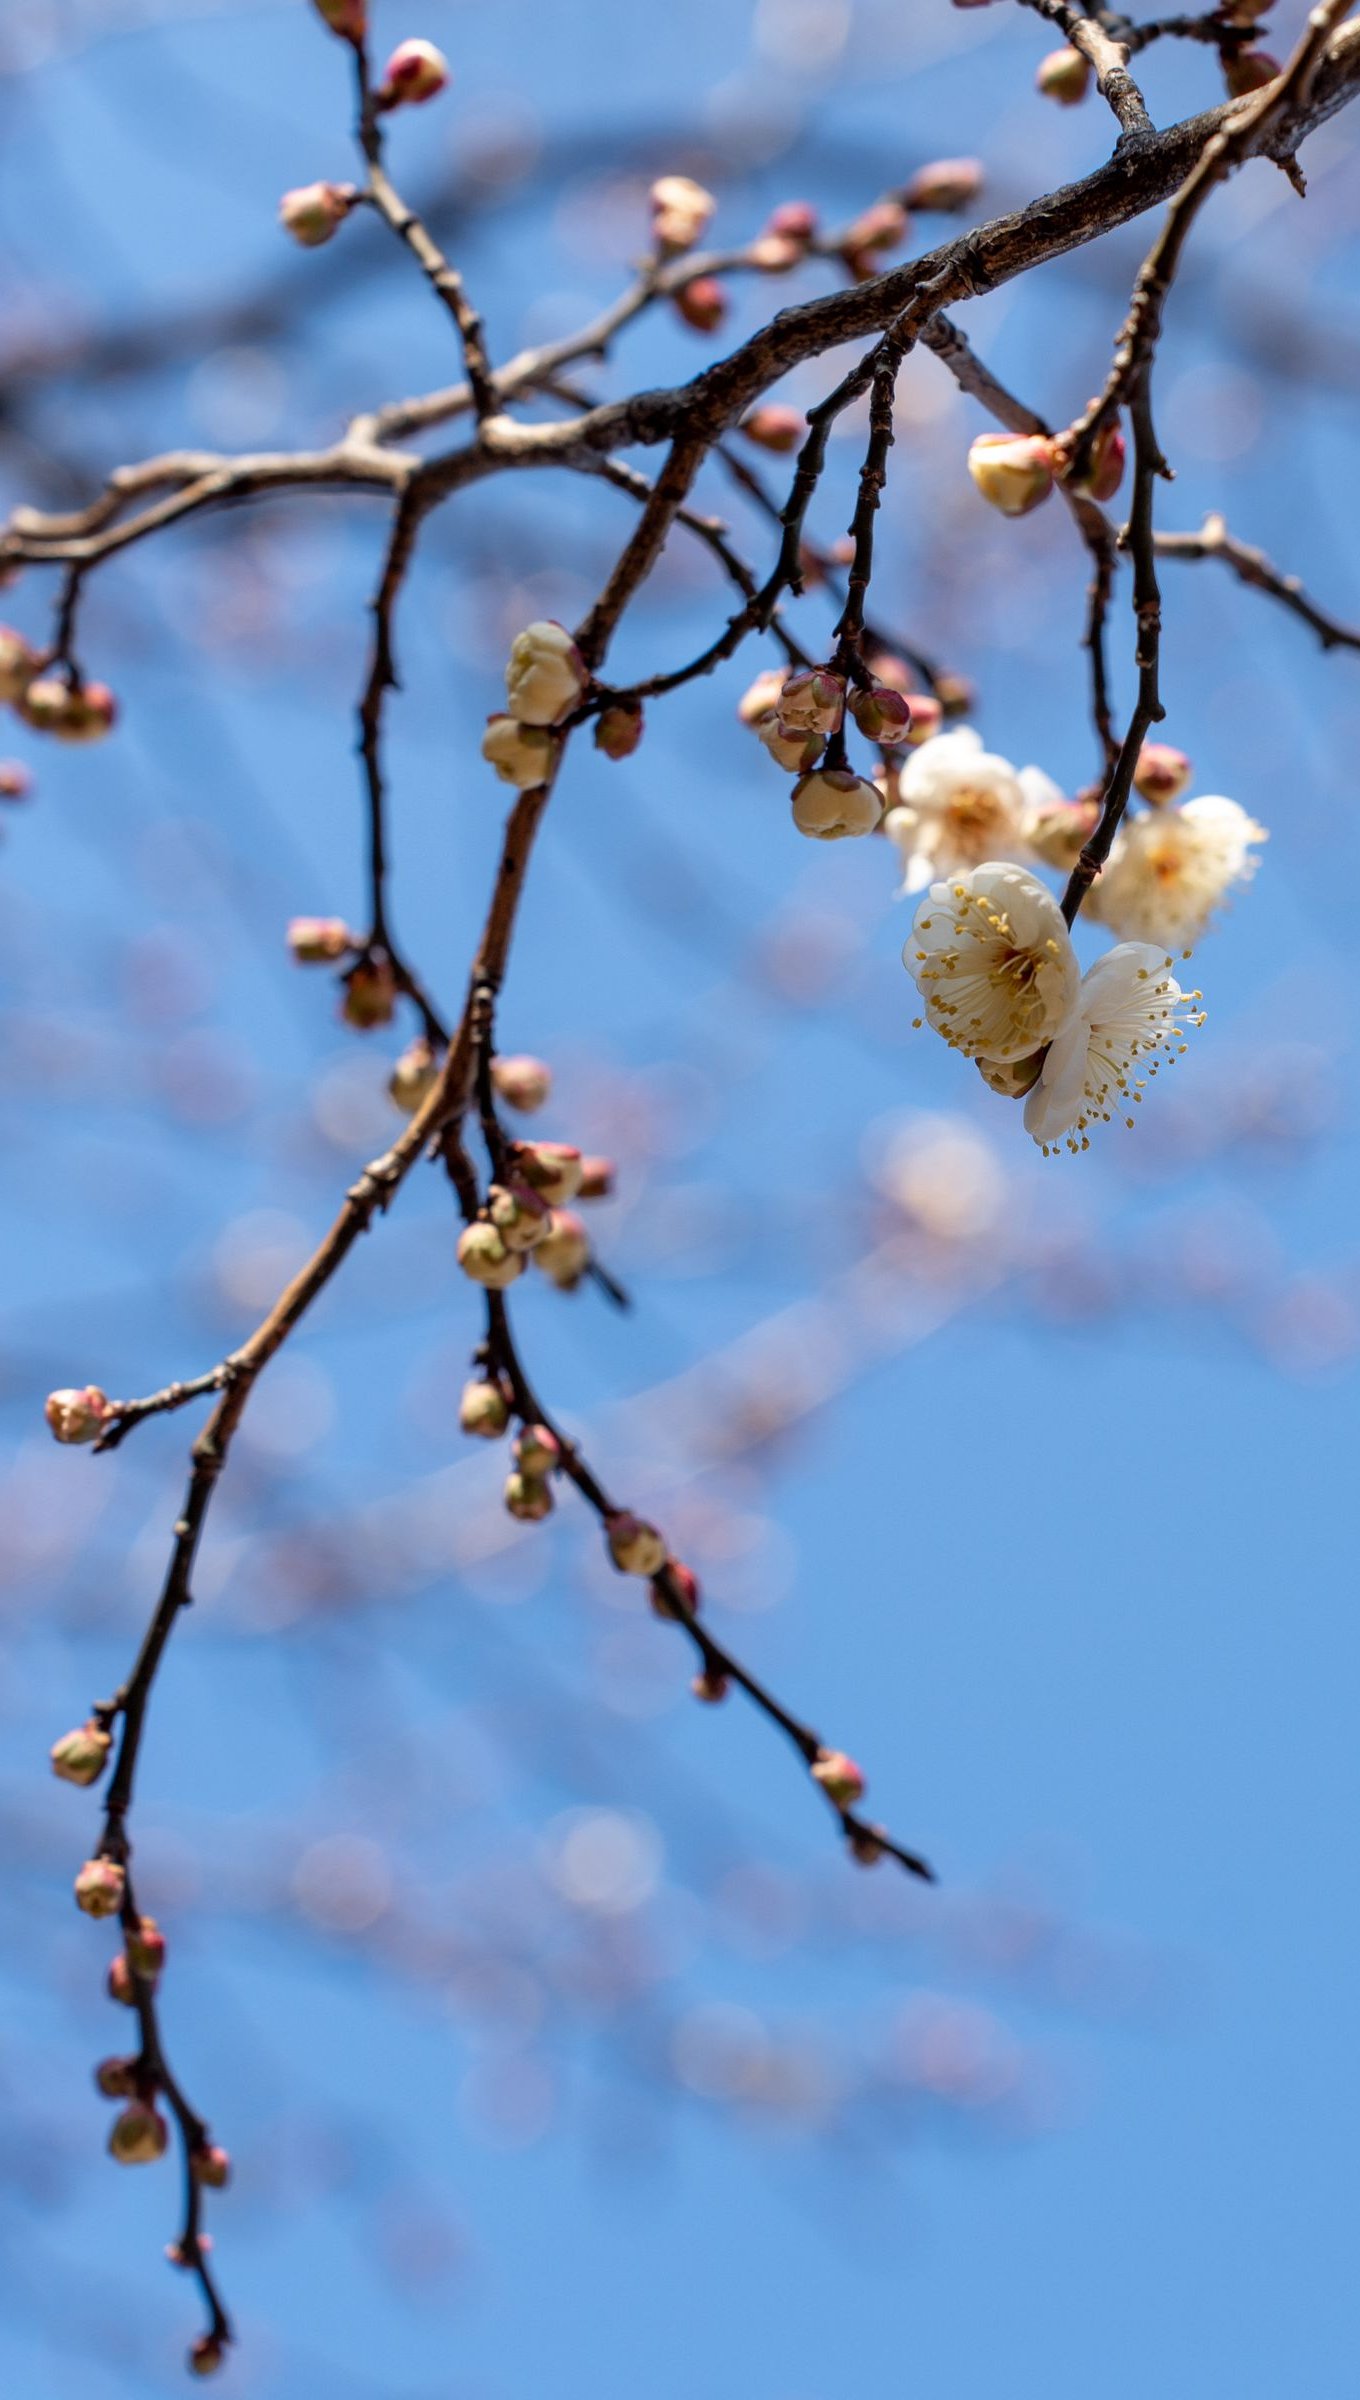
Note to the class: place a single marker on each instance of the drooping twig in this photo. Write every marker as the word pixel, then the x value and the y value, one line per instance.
pixel 1252 566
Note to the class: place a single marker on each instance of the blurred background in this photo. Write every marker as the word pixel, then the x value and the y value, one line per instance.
pixel 557 2046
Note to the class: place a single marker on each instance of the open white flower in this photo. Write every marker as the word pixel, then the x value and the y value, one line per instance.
pixel 993 962
pixel 1169 871
pixel 1129 1009
pixel 958 806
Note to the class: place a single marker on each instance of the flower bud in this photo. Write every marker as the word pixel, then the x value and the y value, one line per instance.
pixel 839 1777
pixel 597 1179
pixel 553 1169
pixel 881 227
pixel 15 781
pixel 1248 70
pixel 618 728
pixel 119 1982
pixel 681 211
pixel 73 712
pixel 1065 76
pixel 812 700
pixel 488 1260
pixel 414 1076
pixel 523 755
pixel 1161 774
pixel 1012 1078
pixel 484 1410
pixel 415 71
pixel 564 1252
pixel 711 1686
pixel 1058 832
pixel 116 2078
pixel 138 2135
pixel 18 664
pixel 761 697
pixel 945 186
pixel 528 1498
pixel 522 1082
pixel 866 1846
pixel 956 695
pixel 211 2166
pixel 315 211
pixel 635 1546
pixel 545 674
pixel 207 2354
pixel 1105 466
pixel 99 1887
pixel 702 303
pixel 675 1593
pixel 320 941
pixel 881 714
pixel 793 220
pixel 370 994
pixel 145 1946
pixel 795 752
pixel 1013 471
pixel 927 717
pixel 537 1452
pixel 520 1215
pixel 774 427
pixel 774 253
pixel 82 1755
pixel 347 17
pixel 833 804
pixel 78 1416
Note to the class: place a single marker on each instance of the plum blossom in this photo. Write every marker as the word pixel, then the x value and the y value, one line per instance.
pixel 1170 870
pixel 1129 1008
pixel 960 805
pixel 994 962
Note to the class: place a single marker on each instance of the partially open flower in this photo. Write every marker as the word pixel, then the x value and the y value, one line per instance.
pixel 487 1259
pixel 82 712
pixel 1129 1008
pixel 635 1546
pixel 564 1252
pixel 1169 871
pixel 993 961
pixel 320 941
pixel 812 700
pixel 545 675
pixel 553 1169
pixel 830 805
pixel 681 212
pixel 414 1076
pixel 370 994
pixel 78 1416
pixel 484 1410
pixel 1065 76
pixel 839 1777
pixel 18 664
pixel 1013 471
pixel 82 1755
pixel 523 755
pixel 619 728
pixel 99 1887
pixel 774 427
pixel 528 1497
pixel 138 2135
pixel 315 211
pixel 522 1082
pixel 415 71
pixel 702 303
pixel 1161 774
pixel 945 186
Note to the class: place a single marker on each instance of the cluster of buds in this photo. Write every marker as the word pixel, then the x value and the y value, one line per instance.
pixel 1013 471
pixel 415 71
pixel 945 186
pixel 78 1416
pixel 315 211
pixel 1065 76
pixel 545 679
pixel 795 715
pixel 883 227
pixel 528 1493
pixel 1161 774
pixel 681 213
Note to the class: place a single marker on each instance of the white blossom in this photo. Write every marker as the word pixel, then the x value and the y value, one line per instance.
pixel 1170 870
pixel 958 806
pixel 1129 1008
pixel 545 675
pixel 523 755
pixel 993 961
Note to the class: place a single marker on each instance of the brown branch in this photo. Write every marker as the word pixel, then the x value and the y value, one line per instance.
pixel 1253 567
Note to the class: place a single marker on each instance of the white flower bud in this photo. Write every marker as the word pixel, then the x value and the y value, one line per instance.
pixel 523 755
pixel 564 1252
pixel 545 675
pixel 1013 471
pixel 681 211
pixel 484 1256
pixel 834 803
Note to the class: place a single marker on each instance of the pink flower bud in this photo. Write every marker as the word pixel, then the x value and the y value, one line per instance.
pixel 545 675
pixel 484 1257
pixel 812 700
pixel 1013 471
pixel 119 1982
pixel 207 2354
pixel 793 220
pixel 681 210
pixel 415 71
pixel 711 1686
pixel 1161 774
pixel 73 712
pixel 370 994
pixel 346 17
pixel 1248 70
pixel 522 755
pixel 564 1252
pixel 320 941
pixel 635 1546
pixel 552 1168
pixel 315 211
pixel 15 781
pixel 761 697
pixel 832 804
pixel 522 1082
pixel 414 1076
pixel 528 1498
pixel 675 1593
pixel 597 1178
pixel 618 728
pixel 702 303
pixel 138 2135
pixel 774 427
pixel 484 1410
pixel 82 1755
pixel 1065 76
pixel 1105 469
pixel 927 717
pixel 537 1452
pixel 145 1946
pixel 99 1887
pixel 795 752
pixel 881 227
pixel 520 1215
pixel 774 253
pixel 881 714
pixel 945 186
pixel 18 664
pixel 116 2078
pixel 211 2166
pixel 839 1777
pixel 78 1416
